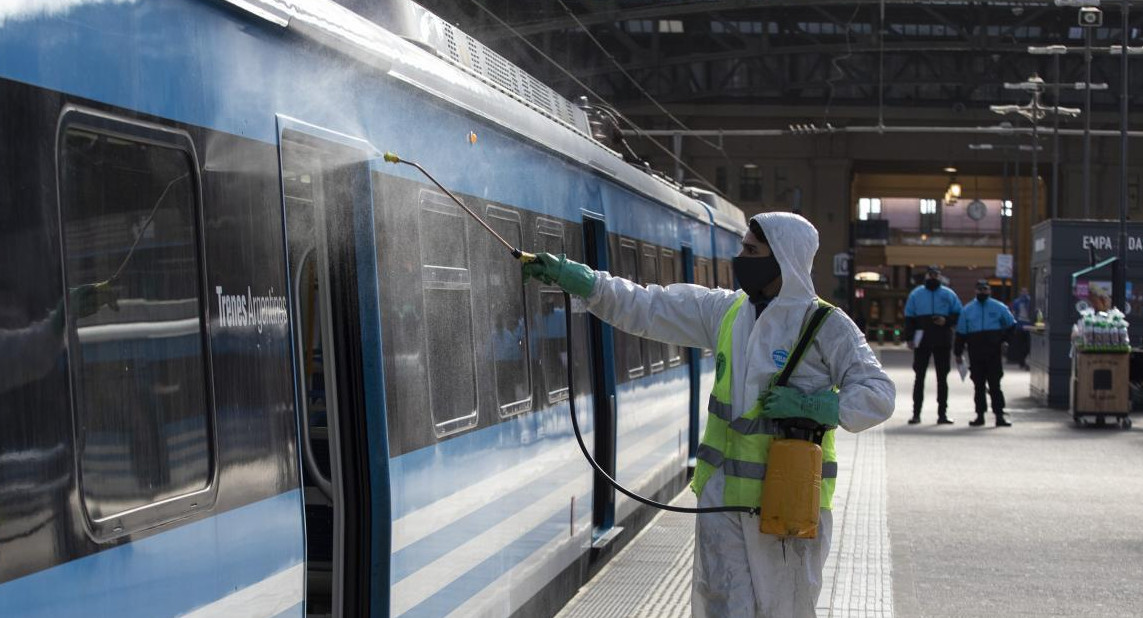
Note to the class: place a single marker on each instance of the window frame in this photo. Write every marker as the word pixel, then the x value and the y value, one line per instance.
pixel 929 210
pixel 704 276
pixel 869 209
pixel 669 272
pixel 648 251
pixel 510 409
pixel 750 183
pixel 150 515
pixel 631 341
pixel 723 271
pixel 552 228
pixel 451 278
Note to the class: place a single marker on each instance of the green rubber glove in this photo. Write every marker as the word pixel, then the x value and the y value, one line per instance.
pixel 573 277
pixel 785 402
pixel 88 298
pixel 85 300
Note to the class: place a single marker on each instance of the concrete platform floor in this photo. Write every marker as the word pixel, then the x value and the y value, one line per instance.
pixel 1039 519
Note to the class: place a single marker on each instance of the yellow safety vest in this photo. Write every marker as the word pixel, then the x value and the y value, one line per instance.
pixel 740 446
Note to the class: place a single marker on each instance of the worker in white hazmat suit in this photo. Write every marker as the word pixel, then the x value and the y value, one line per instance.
pixel 738 571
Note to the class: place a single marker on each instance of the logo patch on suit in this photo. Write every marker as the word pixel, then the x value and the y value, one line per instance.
pixel 719 366
pixel 780 357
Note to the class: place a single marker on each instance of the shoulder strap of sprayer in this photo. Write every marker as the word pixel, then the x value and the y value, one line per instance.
pixel 809 331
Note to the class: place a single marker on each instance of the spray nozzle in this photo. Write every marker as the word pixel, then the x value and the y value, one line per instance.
pixel 391 157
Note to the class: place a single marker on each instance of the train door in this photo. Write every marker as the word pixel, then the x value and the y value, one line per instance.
pixel 694 370
pixel 332 264
pixel 602 355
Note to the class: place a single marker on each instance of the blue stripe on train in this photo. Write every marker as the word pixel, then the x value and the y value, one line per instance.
pixel 460 590
pixel 479 455
pixel 297 611
pixel 423 552
pixel 171 572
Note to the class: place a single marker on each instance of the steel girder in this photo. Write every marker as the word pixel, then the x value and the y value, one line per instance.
pixel 791 52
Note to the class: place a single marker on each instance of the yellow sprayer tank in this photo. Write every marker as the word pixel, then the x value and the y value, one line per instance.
pixel 791 492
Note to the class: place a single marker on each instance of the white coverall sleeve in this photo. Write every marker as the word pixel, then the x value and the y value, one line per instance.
pixel 866 395
pixel 680 313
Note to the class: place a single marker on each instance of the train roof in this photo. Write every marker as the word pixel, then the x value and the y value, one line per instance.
pixel 419 48
pixel 723 213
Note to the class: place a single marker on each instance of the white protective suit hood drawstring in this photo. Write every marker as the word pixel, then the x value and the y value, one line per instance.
pixel 794 242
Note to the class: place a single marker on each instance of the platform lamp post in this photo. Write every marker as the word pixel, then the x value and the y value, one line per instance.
pixel 1033 111
pixel 1055 51
pixel 1087 86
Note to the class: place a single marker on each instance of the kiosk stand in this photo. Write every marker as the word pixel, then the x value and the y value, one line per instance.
pixel 1061 247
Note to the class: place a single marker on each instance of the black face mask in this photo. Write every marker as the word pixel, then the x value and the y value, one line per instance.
pixel 932 284
pixel 983 297
pixel 755 273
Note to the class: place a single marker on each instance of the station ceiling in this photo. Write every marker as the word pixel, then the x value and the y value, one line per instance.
pixel 845 56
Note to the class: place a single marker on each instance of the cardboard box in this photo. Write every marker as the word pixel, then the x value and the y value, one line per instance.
pixel 1101 383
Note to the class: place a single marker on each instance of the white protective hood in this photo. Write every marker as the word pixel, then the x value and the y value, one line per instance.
pixel 794 242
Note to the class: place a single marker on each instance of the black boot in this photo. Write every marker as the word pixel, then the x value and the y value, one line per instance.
pixel 943 419
pixel 1001 421
pixel 978 421
pixel 916 417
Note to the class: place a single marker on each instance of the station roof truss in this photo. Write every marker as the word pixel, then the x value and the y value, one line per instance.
pixel 840 54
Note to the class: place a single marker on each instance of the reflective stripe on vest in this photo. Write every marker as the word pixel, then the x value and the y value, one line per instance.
pixel 740 446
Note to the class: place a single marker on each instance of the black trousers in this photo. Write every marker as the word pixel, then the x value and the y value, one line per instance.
pixel 941 362
pixel 985 368
pixel 1019 347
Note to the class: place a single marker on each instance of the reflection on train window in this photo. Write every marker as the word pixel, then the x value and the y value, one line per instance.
pixel 629 269
pixel 508 312
pixel 649 274
pixel 553 323
pixel 448 315
pixel 137 350
pixel 668 265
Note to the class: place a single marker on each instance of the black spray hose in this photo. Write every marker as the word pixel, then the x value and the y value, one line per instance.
pixel 591 460
pixel 526 258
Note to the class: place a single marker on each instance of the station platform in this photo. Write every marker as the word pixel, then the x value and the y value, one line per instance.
pixel 1038 519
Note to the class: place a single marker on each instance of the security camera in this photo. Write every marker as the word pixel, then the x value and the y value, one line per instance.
pixel 1090 17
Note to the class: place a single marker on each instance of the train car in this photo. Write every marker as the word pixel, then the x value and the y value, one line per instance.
pixel 250 368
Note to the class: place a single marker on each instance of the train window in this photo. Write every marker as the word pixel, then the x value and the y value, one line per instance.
pixel 725 278
pixel 553 321
pixel 447 289
pixel 668 274
pixel 629 269
pixel 138 348
pixel 701 276
pixel 508 312
pixel 649 271
pixel 704 276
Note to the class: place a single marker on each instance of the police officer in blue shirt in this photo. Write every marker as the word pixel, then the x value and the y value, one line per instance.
pixel 985 325
pixel 932 309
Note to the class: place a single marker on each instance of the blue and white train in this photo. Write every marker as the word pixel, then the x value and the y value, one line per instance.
pixel 249 369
